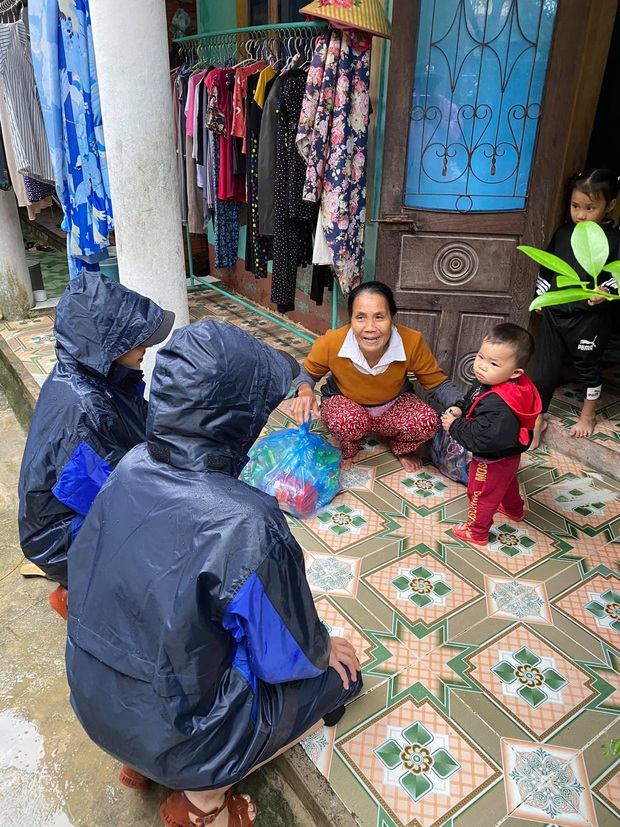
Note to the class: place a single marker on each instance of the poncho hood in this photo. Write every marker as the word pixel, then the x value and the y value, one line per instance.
pixel 213 389
pixel 98 320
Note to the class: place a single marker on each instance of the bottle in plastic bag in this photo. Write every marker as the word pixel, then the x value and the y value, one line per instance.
pixel 300 469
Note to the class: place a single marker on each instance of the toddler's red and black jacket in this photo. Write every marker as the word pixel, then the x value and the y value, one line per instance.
pixel 498 420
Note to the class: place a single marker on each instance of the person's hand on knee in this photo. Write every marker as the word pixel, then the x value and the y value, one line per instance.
pixel 343 654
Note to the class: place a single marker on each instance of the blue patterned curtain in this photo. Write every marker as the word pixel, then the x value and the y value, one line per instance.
pixel 64 65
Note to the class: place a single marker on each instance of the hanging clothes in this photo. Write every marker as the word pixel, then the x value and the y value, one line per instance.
pixel 294 217
pixel 26 120
pixel 267 148
pixel 16 178
pixel 181 99
pixel 241 101
pixel 66 75
pixel 337 151
pixel 225 217
pixel 231 187
pixel 259 248
pixel 5 181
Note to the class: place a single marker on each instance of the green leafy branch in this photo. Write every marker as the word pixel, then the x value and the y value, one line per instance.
pixel 612 747
pixel 591 250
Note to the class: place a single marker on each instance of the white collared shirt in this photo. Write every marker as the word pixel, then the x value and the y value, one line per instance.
pixel 395 353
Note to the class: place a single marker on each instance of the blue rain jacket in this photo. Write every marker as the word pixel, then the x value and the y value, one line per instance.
pixel 90 412
pixel 194 648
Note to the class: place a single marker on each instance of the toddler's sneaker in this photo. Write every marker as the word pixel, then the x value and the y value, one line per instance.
pixel 461 532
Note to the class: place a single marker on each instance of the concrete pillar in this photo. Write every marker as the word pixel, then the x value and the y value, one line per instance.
pixel 131 52
pixel 15 288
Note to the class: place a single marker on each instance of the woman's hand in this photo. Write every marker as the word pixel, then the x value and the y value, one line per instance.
pixel 343 654
pixel 304 405
pixel 449 416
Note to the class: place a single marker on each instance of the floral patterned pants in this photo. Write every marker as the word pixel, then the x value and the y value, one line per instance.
pixel 408 423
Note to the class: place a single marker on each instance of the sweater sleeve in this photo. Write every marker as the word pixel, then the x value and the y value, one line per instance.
pixel 423 364
pixel 317 361
pixel 495 428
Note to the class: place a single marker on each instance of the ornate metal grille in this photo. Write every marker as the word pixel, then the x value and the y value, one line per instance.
pixel 479 79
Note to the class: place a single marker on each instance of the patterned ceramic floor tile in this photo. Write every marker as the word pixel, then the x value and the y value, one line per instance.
pixel 328 574
pixel 32 341
pixel 319 747
pixel 418 765
pixel 531 680
pixel 340 624
pixel 346 521
pixel 518 547
pixel 522 600
pixel 424 489
pixel 547 784
pixel 421 589
pixel 608 556
pixel 595 605
pixel 359 478
pixel 585 500
pixel 608 790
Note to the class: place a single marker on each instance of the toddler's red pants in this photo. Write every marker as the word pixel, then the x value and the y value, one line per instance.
pixel 490 485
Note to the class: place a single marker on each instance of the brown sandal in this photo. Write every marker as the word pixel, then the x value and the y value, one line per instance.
pixel 178 811
pixel 133 779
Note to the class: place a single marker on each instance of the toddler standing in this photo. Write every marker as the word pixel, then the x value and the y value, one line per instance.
pixel 500 412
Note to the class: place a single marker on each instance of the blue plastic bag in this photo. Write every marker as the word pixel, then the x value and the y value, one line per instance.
pixel 449 456
pixel 301 470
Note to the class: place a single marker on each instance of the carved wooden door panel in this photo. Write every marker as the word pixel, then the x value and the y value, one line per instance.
pixel 480 137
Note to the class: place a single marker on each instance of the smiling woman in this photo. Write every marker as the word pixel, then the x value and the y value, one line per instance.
pixel 369 390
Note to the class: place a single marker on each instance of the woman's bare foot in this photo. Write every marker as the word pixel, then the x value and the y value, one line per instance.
pixel 410 462
pixel 346 464
pixel 539 429
pixel 584 426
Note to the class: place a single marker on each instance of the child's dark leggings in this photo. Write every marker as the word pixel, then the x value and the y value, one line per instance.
pixel 490 485
pixel 583 336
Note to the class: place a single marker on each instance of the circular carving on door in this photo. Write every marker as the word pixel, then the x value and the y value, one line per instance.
pixel 465 368
pixel 456 263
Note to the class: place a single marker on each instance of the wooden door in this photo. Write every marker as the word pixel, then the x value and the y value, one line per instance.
pixel 455 273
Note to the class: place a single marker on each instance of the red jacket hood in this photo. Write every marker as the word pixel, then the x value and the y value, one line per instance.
pixel 523 400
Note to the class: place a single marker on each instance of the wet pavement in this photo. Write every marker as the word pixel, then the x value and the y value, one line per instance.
pixel 50 773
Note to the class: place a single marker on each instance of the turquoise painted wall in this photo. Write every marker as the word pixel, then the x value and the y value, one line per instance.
pixel 215 15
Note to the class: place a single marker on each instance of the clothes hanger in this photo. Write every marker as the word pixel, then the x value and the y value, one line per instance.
pixel 10 11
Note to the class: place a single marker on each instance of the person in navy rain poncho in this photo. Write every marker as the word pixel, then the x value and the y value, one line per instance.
pixel 194 649
pixel 90 412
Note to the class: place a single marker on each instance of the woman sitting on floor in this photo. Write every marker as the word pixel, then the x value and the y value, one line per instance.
pixel 369 389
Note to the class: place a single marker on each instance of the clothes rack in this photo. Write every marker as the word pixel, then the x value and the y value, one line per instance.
pixel 234 45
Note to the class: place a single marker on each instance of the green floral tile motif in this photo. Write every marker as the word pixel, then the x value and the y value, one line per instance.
pixel 342 519
pixel 424 484
pixel 606 609
pixel 418 760
pixel 421 586
pixel 511 541
pixel 582 497
pixel 530 677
